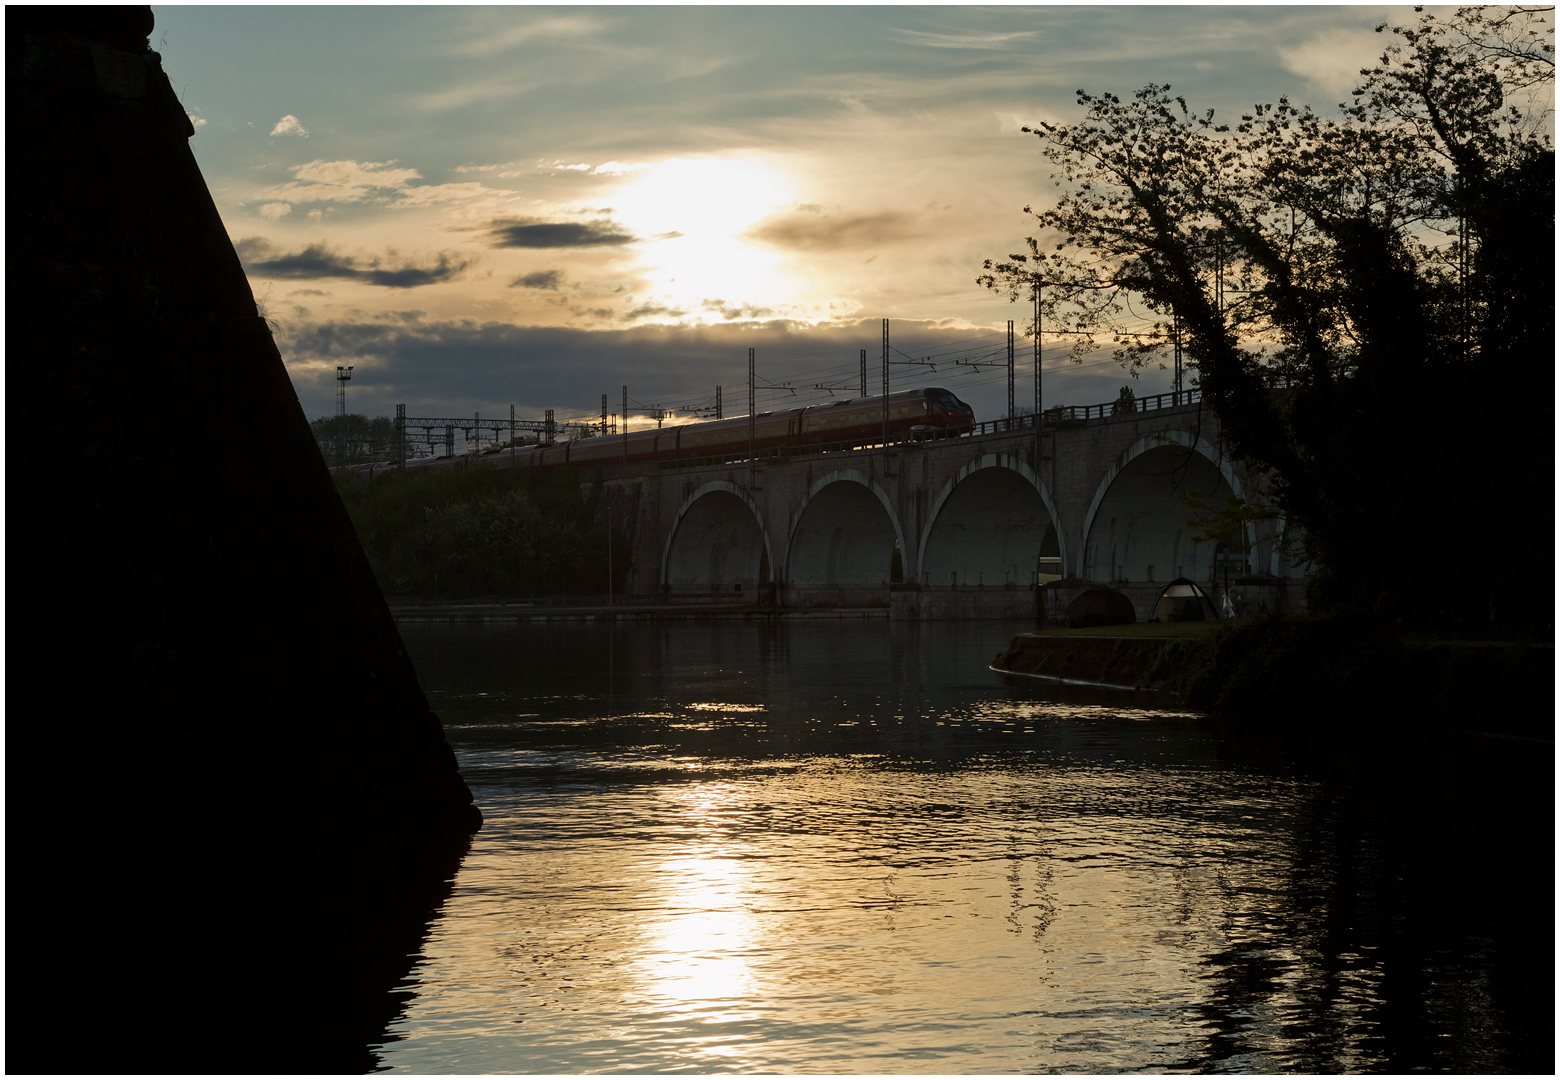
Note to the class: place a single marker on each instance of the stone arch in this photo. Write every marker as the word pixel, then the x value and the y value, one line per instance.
pixel 1147 538
pixel 717 538
pixel 1004 512
pixel 838 537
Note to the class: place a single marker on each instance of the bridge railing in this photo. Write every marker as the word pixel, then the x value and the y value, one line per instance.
pixel 1078 414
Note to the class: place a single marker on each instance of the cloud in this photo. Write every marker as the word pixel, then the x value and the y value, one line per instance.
pixel 434 194
pixel 475 168
pixel 373 182
pixel 1331 60
pixel 342 181
pixel 274 210
pixel 736 311
pixel 606 168
pixel 487 41
pixel 197 122
pixel 355 174
pixel 826 233
pixel 647 310
pixel 974 40
pixel 260 257
pixel 541 279
pixel 558 234
pixel 618 168
pixel 289 125
pixel 441 367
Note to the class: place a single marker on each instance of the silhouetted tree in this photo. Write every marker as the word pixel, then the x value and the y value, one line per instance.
pixel 1366 302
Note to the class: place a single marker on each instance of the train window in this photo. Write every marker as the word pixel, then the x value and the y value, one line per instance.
pixel 942 399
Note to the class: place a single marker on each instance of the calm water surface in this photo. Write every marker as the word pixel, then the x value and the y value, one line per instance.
pixel 847 847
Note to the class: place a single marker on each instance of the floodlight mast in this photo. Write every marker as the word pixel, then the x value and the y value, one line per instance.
pixel 343 375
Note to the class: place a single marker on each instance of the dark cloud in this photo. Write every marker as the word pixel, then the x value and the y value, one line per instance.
pixel 828 233
pixel 456 368
pixel 736 311
pixel 260 257
pixel 645 311
pixel 541 279
pixel 558 234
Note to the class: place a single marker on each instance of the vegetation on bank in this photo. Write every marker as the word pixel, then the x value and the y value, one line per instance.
pixel 1314 678
pixel 1326 674
pixel 475 532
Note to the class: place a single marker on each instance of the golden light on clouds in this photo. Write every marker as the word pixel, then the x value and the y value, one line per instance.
pixel 491 194
pixel 696 211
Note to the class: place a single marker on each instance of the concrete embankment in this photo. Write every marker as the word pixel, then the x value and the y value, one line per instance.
pixel 1135 663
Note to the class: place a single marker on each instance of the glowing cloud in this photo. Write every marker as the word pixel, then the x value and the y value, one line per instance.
pixel 290 125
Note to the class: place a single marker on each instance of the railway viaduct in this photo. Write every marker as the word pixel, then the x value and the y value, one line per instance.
pixel 1001 522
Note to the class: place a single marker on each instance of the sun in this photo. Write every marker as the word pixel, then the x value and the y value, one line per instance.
pixel 693 213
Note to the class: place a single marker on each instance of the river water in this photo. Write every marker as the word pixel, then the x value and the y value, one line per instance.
pixel 846 846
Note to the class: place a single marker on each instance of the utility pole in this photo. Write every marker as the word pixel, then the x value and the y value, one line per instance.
pixel 625 425
pixel 551 427
pixel 1010 373
pixel 752 420
pixel 1038 414
pixel 511 442
pixel 603 414
pixel 718 415
pixel 885 395
pixel 863 372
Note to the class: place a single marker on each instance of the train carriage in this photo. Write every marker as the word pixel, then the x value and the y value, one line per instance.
pixel 855 420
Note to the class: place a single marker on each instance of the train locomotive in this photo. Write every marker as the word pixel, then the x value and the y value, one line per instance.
pixel 931 410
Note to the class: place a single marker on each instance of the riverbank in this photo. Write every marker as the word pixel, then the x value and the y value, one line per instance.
pixel 523 611
pixel 1308 676
pixel 1162 662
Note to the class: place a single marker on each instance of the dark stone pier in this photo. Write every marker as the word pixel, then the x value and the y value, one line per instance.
pixel 231 809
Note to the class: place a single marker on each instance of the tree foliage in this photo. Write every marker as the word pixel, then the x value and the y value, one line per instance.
pixel 354 439
pixel 483 532
pixel 1365 300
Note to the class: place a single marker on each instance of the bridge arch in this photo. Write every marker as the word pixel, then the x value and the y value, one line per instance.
pixel 717 538
pixel 844 534
pixel 988 525
pixel 1141 503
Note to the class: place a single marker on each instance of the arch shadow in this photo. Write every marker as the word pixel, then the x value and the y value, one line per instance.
pixel 707 488
pixel 1147 443
pixel 1010 462
pixel 848 476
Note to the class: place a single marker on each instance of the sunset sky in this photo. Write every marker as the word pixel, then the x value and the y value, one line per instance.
pixel 479 207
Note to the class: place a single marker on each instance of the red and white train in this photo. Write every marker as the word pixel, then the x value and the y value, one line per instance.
pixel 932 409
